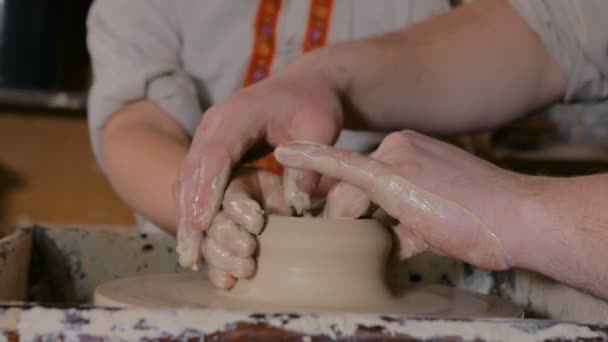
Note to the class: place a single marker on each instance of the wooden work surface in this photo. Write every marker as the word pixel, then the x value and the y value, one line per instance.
pixel 48 172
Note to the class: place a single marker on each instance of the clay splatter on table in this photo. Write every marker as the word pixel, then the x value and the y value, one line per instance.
pixel 86 324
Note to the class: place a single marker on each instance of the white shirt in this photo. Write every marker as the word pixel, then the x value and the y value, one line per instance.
pixel 187 55
pixel 576 34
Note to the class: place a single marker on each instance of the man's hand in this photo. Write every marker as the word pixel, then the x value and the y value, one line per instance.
pixel 452 202
pixel 442 197
pixel 294 105
pixel 229 244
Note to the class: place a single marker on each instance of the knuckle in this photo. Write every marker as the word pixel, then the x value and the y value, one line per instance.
pixel 400 139
pixel 243 267
pixel 246 246
pixel 344 155
pixel 409 133
pixel 213 252
pixel 399 149
pixel 217 227
pixel 246 205
pixel 254 225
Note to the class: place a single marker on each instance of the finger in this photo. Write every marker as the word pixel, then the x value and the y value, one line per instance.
pixel 230 237
pixel 240 206
pixel 444 224
pixel 188 239
pixel 300 184
pixel 197 208
pixel 298 199
pixel 348 166
pixel 410 244
pixel 324 187
pixel 221 279
pixel 272 194
pixel 345 200
pixel 215 168
pixel 188 248
pixel 217 145
pixel 220 258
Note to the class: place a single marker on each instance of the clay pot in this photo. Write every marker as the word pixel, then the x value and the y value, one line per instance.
pixel 308 265
pixel 313 262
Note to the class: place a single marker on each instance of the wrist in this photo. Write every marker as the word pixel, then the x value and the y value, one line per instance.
pixel 529 242
pixel 324 65
pixel 310 78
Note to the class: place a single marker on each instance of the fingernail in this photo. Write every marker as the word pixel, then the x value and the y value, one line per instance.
pixel 187 253
pixel 288 157
pixel 292 153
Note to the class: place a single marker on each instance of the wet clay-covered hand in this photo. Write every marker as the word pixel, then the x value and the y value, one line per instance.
pixel 229 243
pixel 289 106
pixel 442 197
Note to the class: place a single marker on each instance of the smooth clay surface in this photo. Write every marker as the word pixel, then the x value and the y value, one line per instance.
pixel 308 265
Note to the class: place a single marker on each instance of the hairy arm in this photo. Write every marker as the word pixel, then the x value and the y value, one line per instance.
pixel 143 148
pixel 473 68
pixel 566 229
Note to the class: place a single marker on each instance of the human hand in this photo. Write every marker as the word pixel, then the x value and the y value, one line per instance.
pixel 442 197
pixel 293 105
pixel 229 243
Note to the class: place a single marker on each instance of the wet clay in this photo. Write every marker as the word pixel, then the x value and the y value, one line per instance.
pixel 308 265
pixel 188 237
pixel 296 198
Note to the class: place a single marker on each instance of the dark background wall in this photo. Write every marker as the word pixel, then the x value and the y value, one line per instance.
pixel 42 45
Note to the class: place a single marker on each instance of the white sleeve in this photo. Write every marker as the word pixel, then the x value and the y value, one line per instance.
pixel 135 50
pixel 575 32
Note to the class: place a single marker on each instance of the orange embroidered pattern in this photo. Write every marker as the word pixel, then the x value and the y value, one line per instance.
pixel 318 24
pixel 262 54
pixel 260 62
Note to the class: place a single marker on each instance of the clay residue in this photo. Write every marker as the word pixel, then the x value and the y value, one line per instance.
pixel 127 325
pixel 249 213
pixel 296 198
pixel 189 239
pixel 188 248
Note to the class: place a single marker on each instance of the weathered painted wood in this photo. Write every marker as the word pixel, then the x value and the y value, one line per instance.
pixel 96 324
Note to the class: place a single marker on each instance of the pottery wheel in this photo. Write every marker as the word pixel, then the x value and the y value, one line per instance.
pixel 193 290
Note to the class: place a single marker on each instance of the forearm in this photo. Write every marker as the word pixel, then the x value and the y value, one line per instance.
pixel 143 149
pixel 566 230
pixel 473 68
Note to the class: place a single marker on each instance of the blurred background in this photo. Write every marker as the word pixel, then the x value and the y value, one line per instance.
pixel 48 173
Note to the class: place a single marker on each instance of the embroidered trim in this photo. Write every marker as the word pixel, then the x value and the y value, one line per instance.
pixel 319 17
pixel 262 54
